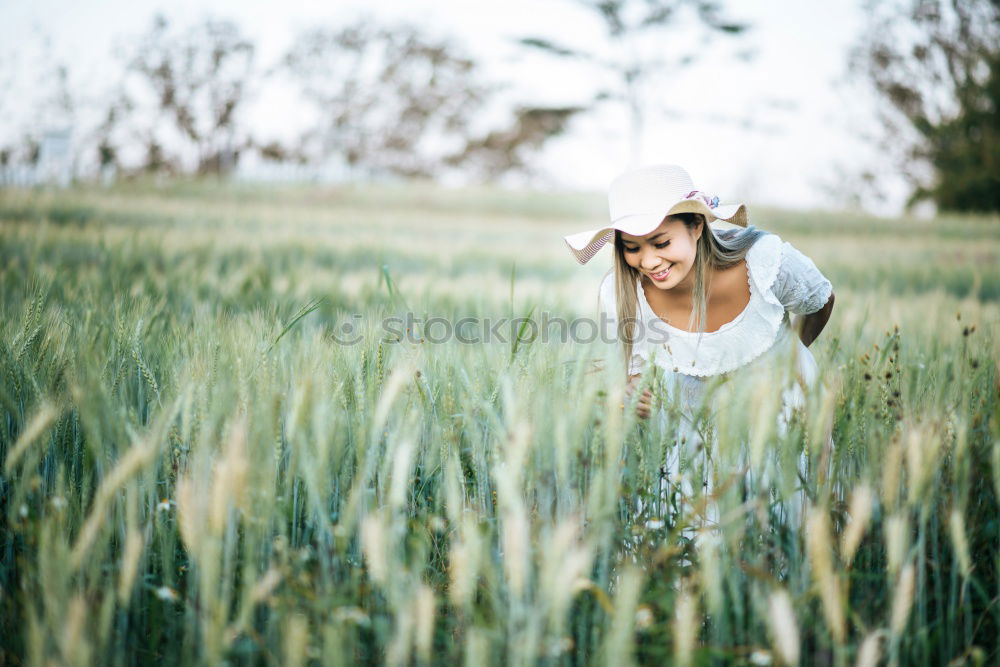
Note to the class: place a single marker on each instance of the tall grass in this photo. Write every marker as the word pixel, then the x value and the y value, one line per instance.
pixel 195 470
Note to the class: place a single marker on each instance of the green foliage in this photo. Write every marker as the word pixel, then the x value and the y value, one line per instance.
pixel 965 150
pixel 196 468
pixel 934 64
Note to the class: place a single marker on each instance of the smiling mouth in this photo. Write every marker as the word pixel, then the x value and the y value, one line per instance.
pixel 662 275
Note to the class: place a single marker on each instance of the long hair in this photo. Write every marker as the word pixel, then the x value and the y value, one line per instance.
pixel 716 249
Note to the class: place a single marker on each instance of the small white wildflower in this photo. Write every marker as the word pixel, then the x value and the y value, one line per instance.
pixel 23 511
pixel 644 617
pixel 58 502
pixel 163 506
pixel 353 614
pixel 166 594
pixel 760 657
pixel 654 524
pixel 560 646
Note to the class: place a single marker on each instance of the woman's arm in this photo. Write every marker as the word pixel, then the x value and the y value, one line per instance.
pixel 812 324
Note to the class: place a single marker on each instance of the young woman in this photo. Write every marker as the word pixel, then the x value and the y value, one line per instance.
pixel 696 305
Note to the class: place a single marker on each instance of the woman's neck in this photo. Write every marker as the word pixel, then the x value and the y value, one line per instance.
pixel 685 288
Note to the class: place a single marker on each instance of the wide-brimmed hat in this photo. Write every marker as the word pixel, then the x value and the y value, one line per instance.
pixel 640 199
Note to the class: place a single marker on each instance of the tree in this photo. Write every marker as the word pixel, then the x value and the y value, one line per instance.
pixel 183 96
pixel 636 31
pixel 508 149
pixel 391 100
pixel 935 67
pixel 388 99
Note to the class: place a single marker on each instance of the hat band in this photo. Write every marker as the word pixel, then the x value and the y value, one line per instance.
pixel 711 202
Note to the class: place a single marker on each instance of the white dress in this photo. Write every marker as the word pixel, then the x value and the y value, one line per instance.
pixel 759 342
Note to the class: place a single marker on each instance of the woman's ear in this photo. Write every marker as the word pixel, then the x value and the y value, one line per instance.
pixel 697 230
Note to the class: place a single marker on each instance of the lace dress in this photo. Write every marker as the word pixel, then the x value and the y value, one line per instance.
pixel 697 369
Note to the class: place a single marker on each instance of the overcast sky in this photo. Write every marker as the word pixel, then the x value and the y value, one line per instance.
pixel 776 130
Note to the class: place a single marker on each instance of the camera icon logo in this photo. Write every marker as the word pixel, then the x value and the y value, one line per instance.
pixel 348 332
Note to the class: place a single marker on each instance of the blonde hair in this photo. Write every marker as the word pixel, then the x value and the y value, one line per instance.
pixel 716 249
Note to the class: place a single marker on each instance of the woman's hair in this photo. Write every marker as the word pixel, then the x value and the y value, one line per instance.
pixel 718 249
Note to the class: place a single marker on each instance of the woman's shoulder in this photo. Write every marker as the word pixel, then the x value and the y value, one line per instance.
pixel 765 244
pixel 764 260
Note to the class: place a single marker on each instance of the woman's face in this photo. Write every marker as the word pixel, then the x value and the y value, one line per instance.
pixel 665 255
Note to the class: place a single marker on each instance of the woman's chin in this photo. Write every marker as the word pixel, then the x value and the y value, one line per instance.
pixel 667 283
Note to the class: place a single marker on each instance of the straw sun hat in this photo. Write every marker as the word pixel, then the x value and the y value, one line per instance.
pixel 640 199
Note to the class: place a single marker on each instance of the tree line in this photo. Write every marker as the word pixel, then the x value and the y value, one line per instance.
pixel 380 99
pixel 393 100
pixel 384 100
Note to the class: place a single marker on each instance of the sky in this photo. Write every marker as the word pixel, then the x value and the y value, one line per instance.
pixel 781 129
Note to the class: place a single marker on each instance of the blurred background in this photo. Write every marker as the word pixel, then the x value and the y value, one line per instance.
pixel 880 106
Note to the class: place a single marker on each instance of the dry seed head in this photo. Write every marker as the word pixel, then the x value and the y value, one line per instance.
pixel 424 607
pixel 374 545
pixel 914 464
pixel 401 468
pixel 896 542
pixel 890 475
pixel 301 399
pixel 922 446
pixel 463 564
pixel 266 585
pixel 818 542
pixel 821 429
pixel 618 641
pixel 686 625
pixel 515 548
pixel 902 601
pixel 477 648
pixel 861 511
pixel 833 607
pixel 709 545
pixel 296 641
pixel 189 514
pixel 397 380
pixel 517 446
pixel 565 561
pixel 398 651
pixel 37 425
pixel 453 492
pixel 229 485
pixel 869 653
pixel 819 545
pixel 74 645
pixel 956 527
pixel 130 464
pixel 783 626
pixel 130 563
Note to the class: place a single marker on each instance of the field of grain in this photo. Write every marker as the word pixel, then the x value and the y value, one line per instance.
pixel 214 451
